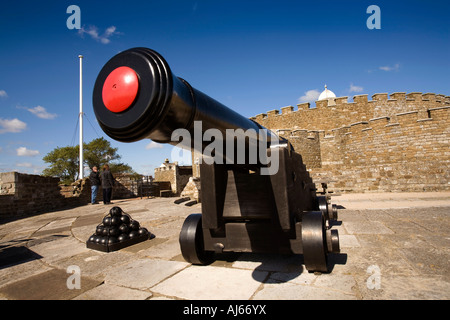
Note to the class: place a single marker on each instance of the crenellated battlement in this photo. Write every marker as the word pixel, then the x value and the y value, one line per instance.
pixel 411 120
pixel 408 101
pixel 337 112
pixel 393 142
pixel 405 152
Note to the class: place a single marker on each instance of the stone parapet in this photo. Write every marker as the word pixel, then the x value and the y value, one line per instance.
pixel 394 142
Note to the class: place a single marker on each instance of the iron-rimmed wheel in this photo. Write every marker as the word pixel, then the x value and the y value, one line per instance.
pixel 191 241
pixel 329 210
pixel 314 241
pixel 323 206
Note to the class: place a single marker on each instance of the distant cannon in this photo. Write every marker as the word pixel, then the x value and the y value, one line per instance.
pixel 250 203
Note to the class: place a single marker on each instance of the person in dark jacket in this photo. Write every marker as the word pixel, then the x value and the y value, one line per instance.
pixel 94 177
pixel 107 184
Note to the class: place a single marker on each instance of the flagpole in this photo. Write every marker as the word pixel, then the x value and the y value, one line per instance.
pixel 81 175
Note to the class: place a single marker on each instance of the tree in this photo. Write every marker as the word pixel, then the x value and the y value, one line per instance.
pixel 64 162
pixel 99 152
pixel 121 168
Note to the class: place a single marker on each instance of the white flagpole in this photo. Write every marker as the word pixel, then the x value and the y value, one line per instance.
pixel 81 175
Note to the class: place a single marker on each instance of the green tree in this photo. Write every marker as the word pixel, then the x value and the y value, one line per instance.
pixel 64 162
pixel 98 152
pixel 120 168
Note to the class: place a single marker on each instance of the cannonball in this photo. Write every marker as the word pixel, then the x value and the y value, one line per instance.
pixel 134 225
pixel 105 231
pixel 114 231
pixel 115 212
pixel 115 221
pixel 143 231
pixel 99 230
pixel 123 237
pixel 112 240
pixel 124 228
pixel 92 238
pixel 133 234
pixel 104 241
pixel 107 221
pixel 98 239
pixel 125 219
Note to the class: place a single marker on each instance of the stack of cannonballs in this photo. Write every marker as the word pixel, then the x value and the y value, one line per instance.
pixel 117 231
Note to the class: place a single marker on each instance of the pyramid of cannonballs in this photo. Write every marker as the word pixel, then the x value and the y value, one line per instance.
pixel 117 230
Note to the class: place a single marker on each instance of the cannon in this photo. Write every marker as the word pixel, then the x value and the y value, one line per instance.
pixel 264 204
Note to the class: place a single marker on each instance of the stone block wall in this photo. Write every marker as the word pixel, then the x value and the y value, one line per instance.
pixel 343 113
pixel 306 143
pixel 397 142
pixel 410 154
pixel 178 176
pixel 192 189
pixel 23 194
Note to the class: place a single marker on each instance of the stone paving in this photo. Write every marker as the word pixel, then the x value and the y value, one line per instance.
pixel 393 246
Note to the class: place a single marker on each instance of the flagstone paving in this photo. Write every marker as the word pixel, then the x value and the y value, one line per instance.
pixel 393 246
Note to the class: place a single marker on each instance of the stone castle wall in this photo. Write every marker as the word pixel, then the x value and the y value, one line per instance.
pixel 339 112
pixel 391 143
pixel 178 176
pixel 26 194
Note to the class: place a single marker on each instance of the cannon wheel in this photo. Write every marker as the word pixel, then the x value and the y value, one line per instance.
pixel 191 241
pixel 314 241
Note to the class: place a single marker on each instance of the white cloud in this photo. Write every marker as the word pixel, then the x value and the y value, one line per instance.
pixel 27 167
pixel 354 88
pixel 110 31
pixel 14 125
pixel 396 67
pixel 310 95
pixel 24 165
pixel 24 152
pixel 94 33
pixel 41 112
pixel 154 145
pixel 3 94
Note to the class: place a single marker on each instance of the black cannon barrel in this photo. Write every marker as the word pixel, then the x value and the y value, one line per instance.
pixel 136 96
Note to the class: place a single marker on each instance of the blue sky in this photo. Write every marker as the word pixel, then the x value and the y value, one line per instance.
pixel 253 56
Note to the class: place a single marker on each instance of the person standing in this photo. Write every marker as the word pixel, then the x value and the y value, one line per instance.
pixel 94 177
pixel 107 184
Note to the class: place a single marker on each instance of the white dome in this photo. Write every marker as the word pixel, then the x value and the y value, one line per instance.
pixel 326 94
